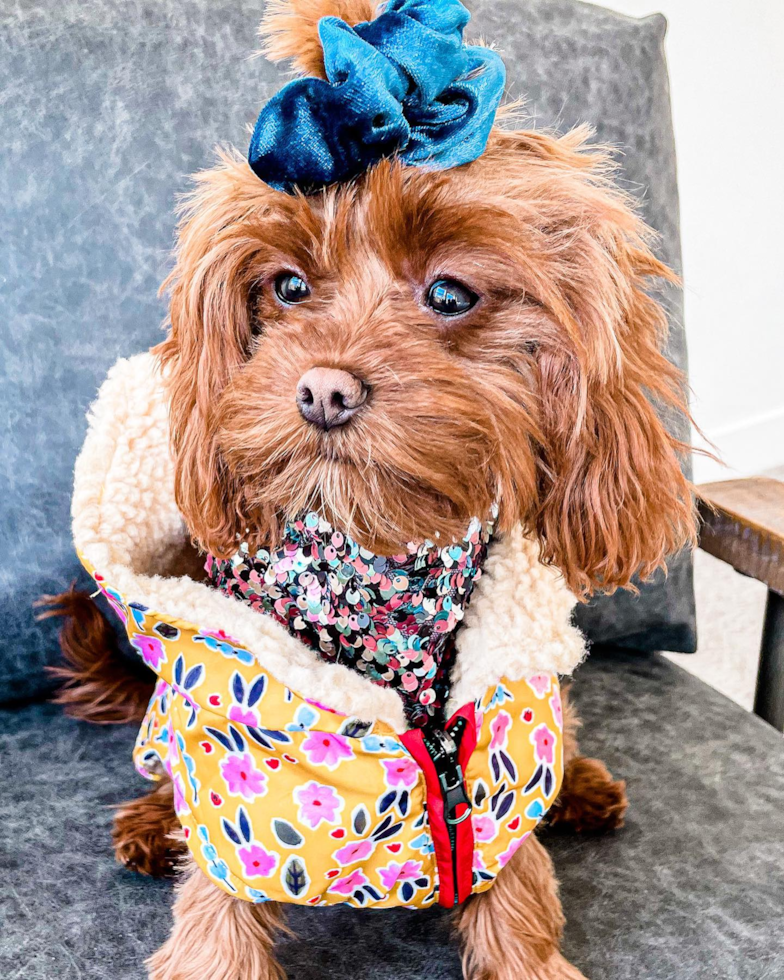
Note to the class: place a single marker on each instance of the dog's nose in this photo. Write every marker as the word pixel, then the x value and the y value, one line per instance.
pixel 327 397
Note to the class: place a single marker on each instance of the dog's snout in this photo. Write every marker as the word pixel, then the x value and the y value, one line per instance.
pixel 328 397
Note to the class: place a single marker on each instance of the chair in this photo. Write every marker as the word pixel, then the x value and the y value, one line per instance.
pixel 107 106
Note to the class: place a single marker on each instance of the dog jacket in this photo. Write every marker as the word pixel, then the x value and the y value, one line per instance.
pixel 297 779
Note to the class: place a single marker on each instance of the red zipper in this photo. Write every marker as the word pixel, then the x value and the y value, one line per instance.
pixel 448 804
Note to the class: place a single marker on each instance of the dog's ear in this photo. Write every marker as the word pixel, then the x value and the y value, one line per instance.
pixel 209 337
pixel 289 29
pixel 613 500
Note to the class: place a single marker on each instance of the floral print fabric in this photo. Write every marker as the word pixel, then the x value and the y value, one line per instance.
pixel 284 799
pixel 391 619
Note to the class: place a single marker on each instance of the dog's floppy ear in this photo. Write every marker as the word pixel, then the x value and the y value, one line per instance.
pixel 613 500
pixel 210 333
pixel 289 29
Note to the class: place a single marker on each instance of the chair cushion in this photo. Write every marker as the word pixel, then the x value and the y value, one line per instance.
pixel 692 886
pixel 113 104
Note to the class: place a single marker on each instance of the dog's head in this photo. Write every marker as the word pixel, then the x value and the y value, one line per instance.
pixel 405 351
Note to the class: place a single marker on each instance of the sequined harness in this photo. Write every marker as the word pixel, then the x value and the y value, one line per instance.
pixel 392 619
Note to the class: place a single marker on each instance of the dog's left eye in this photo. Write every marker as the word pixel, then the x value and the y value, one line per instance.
pixel 450 298
pixel 291 288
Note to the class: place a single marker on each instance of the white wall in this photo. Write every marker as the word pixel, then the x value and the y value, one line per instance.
pixel 726 61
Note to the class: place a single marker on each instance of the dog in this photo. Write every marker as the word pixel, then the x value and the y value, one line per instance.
pixel 401 352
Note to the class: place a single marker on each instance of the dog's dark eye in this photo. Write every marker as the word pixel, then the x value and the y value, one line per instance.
pixel 291 288
pixel 450 298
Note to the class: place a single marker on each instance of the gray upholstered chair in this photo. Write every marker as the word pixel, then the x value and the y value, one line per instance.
pixel 106 106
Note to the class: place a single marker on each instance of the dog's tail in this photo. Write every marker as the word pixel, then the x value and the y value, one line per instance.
pixel 99 684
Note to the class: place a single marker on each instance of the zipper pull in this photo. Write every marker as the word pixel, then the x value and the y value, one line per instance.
pixel 450 778
pixel 444 743
pixel 454 796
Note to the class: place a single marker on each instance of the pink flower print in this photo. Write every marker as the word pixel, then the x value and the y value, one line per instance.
pixel 349 884
pixel 151 649
pixel 394 872
pixel 180 805
pixel 242 777
pixel 544 744
pixel 353 852
pixel 498 729
pixel 245 716
pixel 173 753
pixel 484 827
pixel 514 847
pixel 540 684
pixel 557 710
pixel 326 749
pixel 257 862
pixel 317 803
pixel 400 772
pixel 118 607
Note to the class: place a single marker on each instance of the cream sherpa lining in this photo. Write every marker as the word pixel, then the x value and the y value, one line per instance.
pixel 126 524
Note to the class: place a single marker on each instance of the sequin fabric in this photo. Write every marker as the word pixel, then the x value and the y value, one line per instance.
pixel 392 619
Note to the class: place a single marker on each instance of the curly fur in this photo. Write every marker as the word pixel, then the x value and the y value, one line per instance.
pixel 146 832
pixel 590 800
pixel 216 936
pixel 98 683
pixel 513 931
pixel 289 29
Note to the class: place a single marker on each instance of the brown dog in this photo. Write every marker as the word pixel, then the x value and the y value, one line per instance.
pixel 534 398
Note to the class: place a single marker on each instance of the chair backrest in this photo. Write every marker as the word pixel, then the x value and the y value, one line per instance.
pixel 107 107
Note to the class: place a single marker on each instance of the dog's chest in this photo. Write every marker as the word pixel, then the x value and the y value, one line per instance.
pixel 393 619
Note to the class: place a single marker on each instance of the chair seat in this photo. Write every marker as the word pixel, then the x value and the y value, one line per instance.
pixel 693 886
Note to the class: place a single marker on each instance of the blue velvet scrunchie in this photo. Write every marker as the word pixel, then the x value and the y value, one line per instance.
pixel 403 83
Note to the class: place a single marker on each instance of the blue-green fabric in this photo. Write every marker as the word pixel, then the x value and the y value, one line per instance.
pixel 403 83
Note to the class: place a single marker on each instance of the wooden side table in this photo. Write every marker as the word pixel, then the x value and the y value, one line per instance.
pixel 743 524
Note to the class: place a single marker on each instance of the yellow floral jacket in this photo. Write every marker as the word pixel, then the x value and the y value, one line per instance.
pixel 297 780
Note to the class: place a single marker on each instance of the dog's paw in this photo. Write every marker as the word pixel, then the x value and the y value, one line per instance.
pixel 590 801
pixel 143 846
pixel 139 856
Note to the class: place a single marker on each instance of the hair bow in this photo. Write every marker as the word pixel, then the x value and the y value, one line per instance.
pixel 404 83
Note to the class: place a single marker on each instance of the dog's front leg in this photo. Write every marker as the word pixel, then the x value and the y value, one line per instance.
pixel 513 931
pixel 217 937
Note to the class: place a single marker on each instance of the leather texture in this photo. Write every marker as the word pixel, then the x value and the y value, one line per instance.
pixel 107 106
pixel 692 887
pixel 402 83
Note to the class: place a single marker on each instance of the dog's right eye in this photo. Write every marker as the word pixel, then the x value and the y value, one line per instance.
pixel 291 288
pixel 450 298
